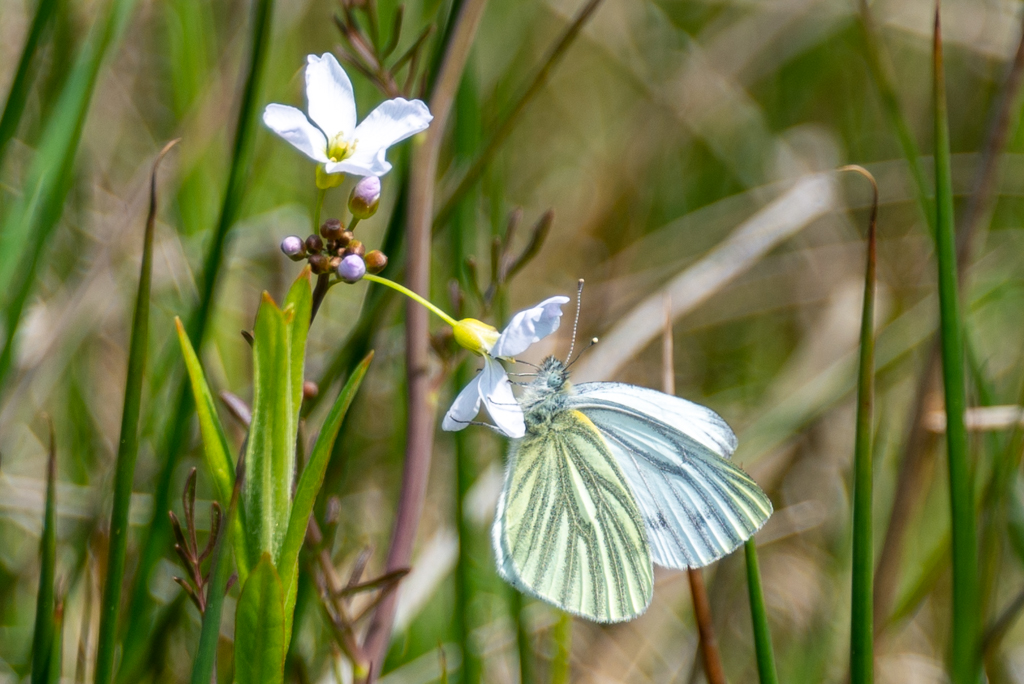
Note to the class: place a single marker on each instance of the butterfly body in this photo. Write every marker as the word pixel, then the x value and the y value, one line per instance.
pixel 608 480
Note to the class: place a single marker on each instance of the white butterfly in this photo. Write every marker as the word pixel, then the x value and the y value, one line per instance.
pixel 609 479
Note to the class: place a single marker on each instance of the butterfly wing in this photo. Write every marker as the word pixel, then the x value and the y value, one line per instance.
pixel 697 505
pixel 568 529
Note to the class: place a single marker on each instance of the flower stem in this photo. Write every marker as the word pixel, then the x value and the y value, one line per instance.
pixel 411 295
pixel 316 212
pixel 353 223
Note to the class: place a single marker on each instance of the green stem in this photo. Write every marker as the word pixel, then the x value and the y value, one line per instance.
pixel 563 646
pixel 352 224
pixel 961 489
pixel 320 193
pixel 762 634
pixel 411 295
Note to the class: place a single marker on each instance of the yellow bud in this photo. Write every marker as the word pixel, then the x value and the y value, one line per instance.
pixel 474 335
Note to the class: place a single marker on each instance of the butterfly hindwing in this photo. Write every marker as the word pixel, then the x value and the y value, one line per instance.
pixel 568 529
pixel 697 506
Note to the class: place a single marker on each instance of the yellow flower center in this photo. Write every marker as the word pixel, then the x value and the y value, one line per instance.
pixel 339 148
pixel 474 335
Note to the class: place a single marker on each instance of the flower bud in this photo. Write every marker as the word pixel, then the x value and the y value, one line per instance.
pixel 474 335
pixel 314 244
pixel 294 248
pixel 351 268
pixel 320 264
pixel 326 181
pixel 335 262
pixel 376 261
pixel 355 247
pixel 365 198
pixel 331 229
pixel 309 389
pixel 344 239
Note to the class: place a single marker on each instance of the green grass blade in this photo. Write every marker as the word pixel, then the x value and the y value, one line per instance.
pixel 18 94
pixel 220 572
pixel 965 621
pixel 762 634
pixel 862 658
pixel 310 481
pixel 27 228
pixel 45 628
pixel 215 447
pixel 259 627
pixel 881 75
pixel 269 456
pixel 56 655
pixel 128 450
pixel 178 429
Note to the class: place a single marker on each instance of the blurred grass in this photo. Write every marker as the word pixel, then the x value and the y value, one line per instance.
pixel 664 127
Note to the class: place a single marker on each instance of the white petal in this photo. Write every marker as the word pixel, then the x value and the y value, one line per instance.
pixel 529 326
pixel 292 125
pixel 464 408
pixel 357 166
pixel 332 104
pixel 390 123
pixel 499 400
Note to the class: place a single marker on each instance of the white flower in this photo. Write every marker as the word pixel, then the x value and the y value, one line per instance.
pixel 491 386
pixel 336 141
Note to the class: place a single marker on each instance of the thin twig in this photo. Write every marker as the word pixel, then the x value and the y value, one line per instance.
pixel 420 424
pixel 701 606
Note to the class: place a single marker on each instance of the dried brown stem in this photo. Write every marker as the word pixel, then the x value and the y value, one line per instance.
pixel 420 425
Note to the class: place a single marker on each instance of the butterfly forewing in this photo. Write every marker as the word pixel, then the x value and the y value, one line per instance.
pixel 568 529
pixel 696 505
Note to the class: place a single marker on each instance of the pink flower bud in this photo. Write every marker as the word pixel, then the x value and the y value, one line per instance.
pixel 365 198
pixel 352 268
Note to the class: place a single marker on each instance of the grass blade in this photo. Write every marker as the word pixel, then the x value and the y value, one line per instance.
pixel 18 94
pixel 762 634
pixel 862 657
pixel 45 628
pixel 220 571
pixel 27 228
pixel 128 448
pixel 961 490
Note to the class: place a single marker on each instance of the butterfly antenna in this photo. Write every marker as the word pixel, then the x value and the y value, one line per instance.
pixel 593 341
pixel 576 321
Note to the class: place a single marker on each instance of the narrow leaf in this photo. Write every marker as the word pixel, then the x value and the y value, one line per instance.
pixel 266 492
pixel 259 627
pixel 862 621
pixel 759 616
pixel 128 448
pixel 311 480
pixel 965 621
pixel 45 629
pixel 215 446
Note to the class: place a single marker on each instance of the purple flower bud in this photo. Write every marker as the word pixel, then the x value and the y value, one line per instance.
pixel 293 247
pixel 365 198
pixel 351 268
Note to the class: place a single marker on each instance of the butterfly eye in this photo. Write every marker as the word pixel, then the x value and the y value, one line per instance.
pixel 554 381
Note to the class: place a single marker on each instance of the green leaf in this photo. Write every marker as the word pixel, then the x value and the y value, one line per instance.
pixel 45 629
pixel 269 458
pixel 311 480
pixel 300 300
pixel 18 94
pixel 215 446
pixel 965 618
pixel 259 627
pixel 759 616
pixel 128 450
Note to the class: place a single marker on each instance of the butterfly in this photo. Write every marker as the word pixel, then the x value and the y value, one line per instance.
pixel 608 480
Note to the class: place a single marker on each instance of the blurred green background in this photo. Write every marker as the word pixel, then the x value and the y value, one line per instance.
pixel 687 150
